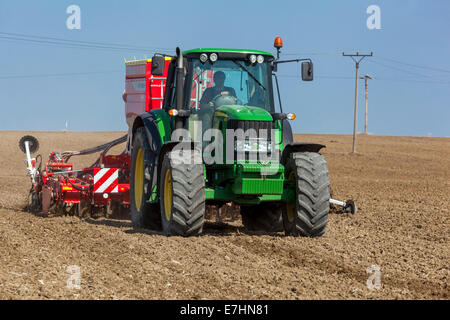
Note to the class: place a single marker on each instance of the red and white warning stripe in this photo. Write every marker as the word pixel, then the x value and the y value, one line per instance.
pixel 106 180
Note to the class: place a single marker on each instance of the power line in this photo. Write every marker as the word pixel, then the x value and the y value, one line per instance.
pixel 23 37
pixel 378 78
pixel 59 74
pixel 68 45
pixel 415 65
pixel 382 58
pixel 312 54
pixel 73 44
pixel 413 80
pixel 401 70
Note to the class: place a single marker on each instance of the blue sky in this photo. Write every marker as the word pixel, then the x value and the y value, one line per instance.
pixel 404 99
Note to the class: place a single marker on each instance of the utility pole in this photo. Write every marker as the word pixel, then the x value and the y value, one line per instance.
pixel 366 77
pixel 358 59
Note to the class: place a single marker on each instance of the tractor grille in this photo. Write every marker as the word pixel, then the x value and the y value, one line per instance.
pixel 250 124
pixel 257 141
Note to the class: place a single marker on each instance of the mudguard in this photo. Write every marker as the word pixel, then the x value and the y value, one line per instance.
pixel 156 126
pixel 288 137
pixel 148 120
pixel 300 147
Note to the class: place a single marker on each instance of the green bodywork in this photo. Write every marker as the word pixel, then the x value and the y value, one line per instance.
pixel 237 112
pixel 162 120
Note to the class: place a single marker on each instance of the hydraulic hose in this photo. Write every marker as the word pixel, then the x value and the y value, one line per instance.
pixel 68 154
pixel 87 188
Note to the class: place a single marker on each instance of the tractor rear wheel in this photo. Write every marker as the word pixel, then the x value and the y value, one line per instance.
pixel 263 217
pixel 308 216
pixel 182 193
pixel 143 213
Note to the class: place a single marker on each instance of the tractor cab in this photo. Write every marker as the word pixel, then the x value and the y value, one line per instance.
pixel 218 77
pixel 223 84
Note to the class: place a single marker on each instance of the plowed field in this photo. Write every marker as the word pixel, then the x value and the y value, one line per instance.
pixel 400 184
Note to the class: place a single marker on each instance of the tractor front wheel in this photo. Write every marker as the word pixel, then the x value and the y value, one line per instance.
pixel 143 213
pixel 182 193
pixel 308 216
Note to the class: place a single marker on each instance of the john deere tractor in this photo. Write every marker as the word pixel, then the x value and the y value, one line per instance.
pixel 217 139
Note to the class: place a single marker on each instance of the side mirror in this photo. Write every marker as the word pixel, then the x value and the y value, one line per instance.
pixel 158 66
pixel 307 71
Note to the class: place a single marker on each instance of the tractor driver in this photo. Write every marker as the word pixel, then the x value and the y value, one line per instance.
pixel 217 90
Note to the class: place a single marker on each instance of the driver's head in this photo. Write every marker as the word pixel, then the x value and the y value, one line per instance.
pixel 219 78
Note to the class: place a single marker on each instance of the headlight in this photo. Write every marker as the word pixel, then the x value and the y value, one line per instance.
pixel 252 59
pixel 203 57
pixel 239 145
pixel 213 57
pixel 263 146
pixel 254 145
pixel 260 59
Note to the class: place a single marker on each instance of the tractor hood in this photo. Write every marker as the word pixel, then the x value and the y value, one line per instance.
pixel 237 112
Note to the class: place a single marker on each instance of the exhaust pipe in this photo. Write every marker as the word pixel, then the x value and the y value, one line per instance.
pixel 179 121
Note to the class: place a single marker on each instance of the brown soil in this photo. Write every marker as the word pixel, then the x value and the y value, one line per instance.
pixel 400 184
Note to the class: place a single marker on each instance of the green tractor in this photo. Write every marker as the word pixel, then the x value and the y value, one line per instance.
pixel 218 139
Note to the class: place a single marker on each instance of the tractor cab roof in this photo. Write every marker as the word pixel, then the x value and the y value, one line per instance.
pixel 226 52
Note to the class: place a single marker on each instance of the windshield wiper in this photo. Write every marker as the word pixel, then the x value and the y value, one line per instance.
pixel 249 73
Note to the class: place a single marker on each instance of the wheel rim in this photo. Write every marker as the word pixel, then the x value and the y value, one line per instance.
pixel 139 180
pixel 167 195
pixel 290 209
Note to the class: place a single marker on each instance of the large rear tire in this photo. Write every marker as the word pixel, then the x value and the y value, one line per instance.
pixel 265 217
pixel 182 193
pixel 143 213
pixel 309 215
